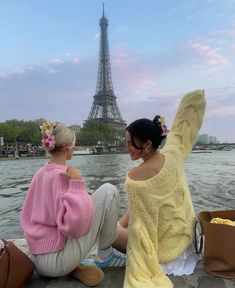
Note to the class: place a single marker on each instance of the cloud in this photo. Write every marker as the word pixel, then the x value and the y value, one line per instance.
pixel 55 61
pixel 211 55
pixel 121 28
pixel 221 103
pixel 56 90
pixel 145 85
pixel 223 111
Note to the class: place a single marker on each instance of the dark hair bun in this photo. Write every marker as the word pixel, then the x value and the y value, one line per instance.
pixel 145 129
pixel 156 120
pixel 159 121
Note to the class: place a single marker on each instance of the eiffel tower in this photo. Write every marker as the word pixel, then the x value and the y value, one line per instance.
pixel 104 108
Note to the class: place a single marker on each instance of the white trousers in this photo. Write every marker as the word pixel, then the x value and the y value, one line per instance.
pixel 103 232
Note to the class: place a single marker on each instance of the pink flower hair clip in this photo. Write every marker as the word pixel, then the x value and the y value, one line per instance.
pixel 165 131
pixel 48 142
pixel 48 139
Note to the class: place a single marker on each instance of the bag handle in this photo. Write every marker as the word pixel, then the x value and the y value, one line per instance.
pixel 198 234
pixel 4 241
pixel 9 262
pixel 2 246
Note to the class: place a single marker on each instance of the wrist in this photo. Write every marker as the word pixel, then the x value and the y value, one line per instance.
pixel 75 177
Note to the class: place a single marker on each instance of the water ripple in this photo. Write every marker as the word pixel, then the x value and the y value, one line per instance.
pixel 211 179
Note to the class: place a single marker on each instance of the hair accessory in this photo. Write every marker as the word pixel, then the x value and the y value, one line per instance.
pixel 146 150
pixel 48 139
pixel 165 131
pixel 162 120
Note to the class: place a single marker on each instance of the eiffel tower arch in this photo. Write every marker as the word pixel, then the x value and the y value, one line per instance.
pixel 104 108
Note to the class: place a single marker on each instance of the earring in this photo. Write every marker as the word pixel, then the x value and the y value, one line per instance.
pixel 146 150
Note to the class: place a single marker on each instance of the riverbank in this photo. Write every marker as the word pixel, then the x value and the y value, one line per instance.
pixel 114 279
pixel 22 158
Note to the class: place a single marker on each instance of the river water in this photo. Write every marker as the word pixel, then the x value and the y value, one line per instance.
pixel 211 178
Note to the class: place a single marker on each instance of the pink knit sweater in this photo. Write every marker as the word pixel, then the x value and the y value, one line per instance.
pixel 55 208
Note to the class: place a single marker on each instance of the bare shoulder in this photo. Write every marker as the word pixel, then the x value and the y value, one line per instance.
pixel 147 170
pixel 135 173
pixel 142 172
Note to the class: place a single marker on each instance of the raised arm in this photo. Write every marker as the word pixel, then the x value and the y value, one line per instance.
pixel 187 122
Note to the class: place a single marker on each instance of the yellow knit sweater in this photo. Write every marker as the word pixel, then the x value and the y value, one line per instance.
pixel 161 214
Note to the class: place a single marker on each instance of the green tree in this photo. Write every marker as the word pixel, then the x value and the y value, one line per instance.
pixel 8 132
pixel 20 131
pixel 94 132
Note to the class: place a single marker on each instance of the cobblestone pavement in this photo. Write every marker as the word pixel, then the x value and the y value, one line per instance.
pixel 114 279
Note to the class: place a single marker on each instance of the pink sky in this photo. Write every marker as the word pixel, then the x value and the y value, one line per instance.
pixel 152 68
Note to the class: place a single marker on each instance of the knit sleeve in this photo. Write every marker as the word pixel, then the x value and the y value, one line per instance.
pixel 187 122
pixel 75 210
pixel 143 268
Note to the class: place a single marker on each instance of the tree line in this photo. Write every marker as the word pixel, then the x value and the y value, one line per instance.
pixel 20 131
pixel 92 133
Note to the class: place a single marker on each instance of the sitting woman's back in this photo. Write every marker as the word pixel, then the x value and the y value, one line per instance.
pixel 161 214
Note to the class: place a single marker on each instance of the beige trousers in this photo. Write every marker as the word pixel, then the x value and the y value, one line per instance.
pixel 103 232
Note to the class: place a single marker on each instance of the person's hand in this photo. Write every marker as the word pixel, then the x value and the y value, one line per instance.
pixel 73 173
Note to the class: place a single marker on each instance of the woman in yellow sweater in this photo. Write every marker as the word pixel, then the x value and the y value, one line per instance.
pixel 161 214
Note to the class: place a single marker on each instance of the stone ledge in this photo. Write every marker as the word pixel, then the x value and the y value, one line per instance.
pixel 114 279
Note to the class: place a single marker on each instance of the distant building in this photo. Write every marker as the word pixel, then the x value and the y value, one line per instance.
pixel 212 140
pixel 1 141
pixel 75 128
pixel 202 139
pixel 206 139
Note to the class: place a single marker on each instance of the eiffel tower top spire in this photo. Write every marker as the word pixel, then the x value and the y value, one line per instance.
pixel 104 79
pixel 104 108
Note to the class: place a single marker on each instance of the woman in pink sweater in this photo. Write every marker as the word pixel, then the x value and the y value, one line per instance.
pixel 62 222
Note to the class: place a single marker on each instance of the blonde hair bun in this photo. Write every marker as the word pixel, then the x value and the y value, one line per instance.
pixel 63 135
